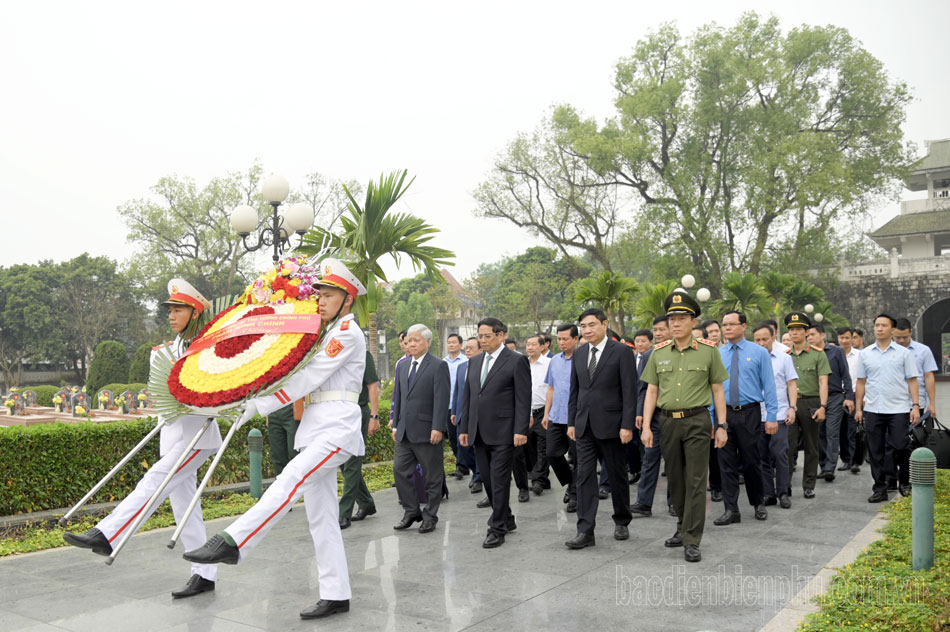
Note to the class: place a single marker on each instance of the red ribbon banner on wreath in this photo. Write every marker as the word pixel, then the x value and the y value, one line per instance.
pixel 261 324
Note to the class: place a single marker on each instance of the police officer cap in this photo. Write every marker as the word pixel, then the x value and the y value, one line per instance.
pixel 682 303
pixel 797 319
pixel 334 273
pixel 181 292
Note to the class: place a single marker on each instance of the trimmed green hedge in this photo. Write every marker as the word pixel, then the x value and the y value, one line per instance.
pixel 138 370
pixel 44 394
pixel 110 362
pixel 117 389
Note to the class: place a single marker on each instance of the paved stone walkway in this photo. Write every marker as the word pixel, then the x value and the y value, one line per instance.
pixel 446 581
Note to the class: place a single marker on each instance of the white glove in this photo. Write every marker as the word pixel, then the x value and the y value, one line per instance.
pixel 249 413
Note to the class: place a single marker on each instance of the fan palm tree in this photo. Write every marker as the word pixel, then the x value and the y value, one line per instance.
pixel 775 285
pixel 616 294
pixel 370 232
pixel 800 293
pixel 650 304
pixel 744 293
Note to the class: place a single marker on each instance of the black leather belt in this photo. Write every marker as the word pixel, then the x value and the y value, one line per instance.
pixel 682 414
pixel 744 406
pixel 535 411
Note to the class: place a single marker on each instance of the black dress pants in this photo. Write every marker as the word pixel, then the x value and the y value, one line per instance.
pixel 589 449
pixel 494 466
pixel 741 454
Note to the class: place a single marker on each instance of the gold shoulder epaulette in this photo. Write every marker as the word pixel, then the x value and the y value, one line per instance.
pixel 708 343
pixel 159 346
pixel 660 345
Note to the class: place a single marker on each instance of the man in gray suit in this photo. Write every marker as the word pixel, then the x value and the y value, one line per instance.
pixel 418 422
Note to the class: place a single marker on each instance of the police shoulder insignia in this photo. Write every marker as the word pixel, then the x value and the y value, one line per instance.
pixel 345 325
pixel 660 345
pixel 334 348
pixel 708 343
pixel 159 346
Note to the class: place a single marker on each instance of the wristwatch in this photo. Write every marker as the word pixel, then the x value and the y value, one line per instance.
pixel 723 426
pixel 823 406
pixel 794 407
pixel 374 416
pixel 916 404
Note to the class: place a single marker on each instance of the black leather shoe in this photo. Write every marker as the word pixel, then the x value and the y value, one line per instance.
pixel 892 486
pixel 634 478
pixel 476 487
pixel 878 497
pixel 716 496
pixel 324 608
pixel 855 469
pixel 344 522
pixel 621 532
pixel 602 494
pixel 523 496
pixel 692 554
pixel 671 511
pixel 760 512
pixel 214 551
pixel 829 476
pixel 675 541
pixel 493 541
pixel 484 502
pixel 741 479
pixel 784 501
pixel 641 510
pixel 428 526
pixel 808 493
pixel 537 488
pixel 567 498
pixel 195 586
pixel 580 541
pixel 844 466
pixel 904 490
pixel 728 517
pixel 457 475
pixel 91 539
pixel 510 524
pixel 571 506
pixel 363 514
pixel 407 521
pixel 768 501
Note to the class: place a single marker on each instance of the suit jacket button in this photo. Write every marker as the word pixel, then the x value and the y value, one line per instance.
pixel 479 396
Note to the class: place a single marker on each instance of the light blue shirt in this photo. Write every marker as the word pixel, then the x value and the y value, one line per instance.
pixel 925 364
pixel 453 369
pixel 886 372
pixel 559 376
pixel 784 371
pixel 756 382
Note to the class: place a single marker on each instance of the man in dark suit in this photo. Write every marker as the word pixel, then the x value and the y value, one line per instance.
pixel 495 419
pixel 601 418
pixel 418 421
pixel 466 456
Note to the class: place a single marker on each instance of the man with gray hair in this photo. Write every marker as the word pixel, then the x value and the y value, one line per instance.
pixel 418 422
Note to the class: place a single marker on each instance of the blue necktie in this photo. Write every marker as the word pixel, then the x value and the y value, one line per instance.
pixel 734 377
pixel 412 372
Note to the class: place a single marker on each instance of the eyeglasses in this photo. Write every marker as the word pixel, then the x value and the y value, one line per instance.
pixel 487 336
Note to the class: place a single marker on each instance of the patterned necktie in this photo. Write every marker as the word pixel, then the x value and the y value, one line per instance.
pixel 485 369
pixel 412 372
pixel 593 363
pixel 734 377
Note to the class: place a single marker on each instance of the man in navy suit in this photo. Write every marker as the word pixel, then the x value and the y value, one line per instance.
pixel 495 419
pixel 466 455
pixel 601 420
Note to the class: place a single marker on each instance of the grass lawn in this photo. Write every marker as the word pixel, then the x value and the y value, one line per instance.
pixel 880 590
pixel 378 476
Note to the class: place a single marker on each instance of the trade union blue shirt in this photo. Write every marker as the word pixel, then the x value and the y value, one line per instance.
pixel 559 376
pixel 756 380
pixel 886 372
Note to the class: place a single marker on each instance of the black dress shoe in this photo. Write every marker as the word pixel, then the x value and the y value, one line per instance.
pixel 484 502
pixel 621 532
pixel 457 475
pixel 641 510
pixel 476 487
pixel 672 511
pixel 829 476
pixel 91 539
pixel 493 541
pixel 904 490
pixel 537 488
pixel 344 522
pixel 760 512
pixel 728 517
pixel 195 586
pixel 892 485
pixel 716 496
pixel 602 494
pixel 692 554
pixel 808 493
pixel 741 479
pixel 428 526
pixel 407 521
pixel 362 513
pixel 571 506
pixel 844 466
pixel 580 541
pixel 878 497
pixel 510 524
pixel 634 478
pixel 768 501
pixel 214 551
pixel 325 608
pixel 784 501
pixel 523 496
pixel 675 541
pixel 855 469
pixel 567 497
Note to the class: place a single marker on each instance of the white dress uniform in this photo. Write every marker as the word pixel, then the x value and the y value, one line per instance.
pixel 181 489
pixel 328 435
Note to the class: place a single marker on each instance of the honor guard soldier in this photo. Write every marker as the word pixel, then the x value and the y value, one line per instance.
pixel 684 376
pixel 329 434
pixel 813 370
pixel 185 305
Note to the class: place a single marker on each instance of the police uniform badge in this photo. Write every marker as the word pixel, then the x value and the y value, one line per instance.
pixel 345 325
pixel 334 348
pixel 677 298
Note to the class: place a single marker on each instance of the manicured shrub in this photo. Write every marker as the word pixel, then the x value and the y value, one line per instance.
pixel 110 363
pixel 44 393
pixel 138 371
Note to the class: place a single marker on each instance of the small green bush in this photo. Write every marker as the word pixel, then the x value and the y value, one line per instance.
pixel 117 389
pixel 110 363
pixel 44 394
pixel 138 371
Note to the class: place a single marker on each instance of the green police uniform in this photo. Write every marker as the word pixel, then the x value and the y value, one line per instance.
pixel 810 364
pixel 281 430
pixel 684 378
pixel 354 486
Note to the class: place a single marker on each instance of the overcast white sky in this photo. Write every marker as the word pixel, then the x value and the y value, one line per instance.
pixel 100 99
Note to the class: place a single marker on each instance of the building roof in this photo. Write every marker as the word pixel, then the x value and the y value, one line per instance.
pixel 936 160
pixel 915 224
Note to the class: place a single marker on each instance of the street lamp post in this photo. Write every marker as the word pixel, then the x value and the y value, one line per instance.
pixel 297 218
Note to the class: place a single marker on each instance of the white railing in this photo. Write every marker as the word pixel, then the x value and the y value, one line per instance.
pixel 905 267
pixel 909 207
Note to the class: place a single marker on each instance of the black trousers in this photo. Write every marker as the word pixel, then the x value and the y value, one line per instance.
pixel 715 476
pixel 888 448
pixel 806 429
pixel 405 457
pixel 558 445
pixel 741 454
pixel 494 466
pixel 539 473
pixel 589 449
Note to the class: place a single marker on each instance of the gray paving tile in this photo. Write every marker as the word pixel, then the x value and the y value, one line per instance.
pixel 137 615
pixel 12 621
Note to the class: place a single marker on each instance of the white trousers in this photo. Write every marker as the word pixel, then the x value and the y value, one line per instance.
pixel 180 490
pixel 311 474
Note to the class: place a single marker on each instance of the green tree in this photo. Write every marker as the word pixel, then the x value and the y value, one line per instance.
pixel 368 233
pixel 29 318
pixel 614 293
pixel 417 309
pixel 650 304
pixel 138 370
pixel 110 365
pixel 744 293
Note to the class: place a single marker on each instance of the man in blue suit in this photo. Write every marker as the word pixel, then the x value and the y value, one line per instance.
pixel 466 455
